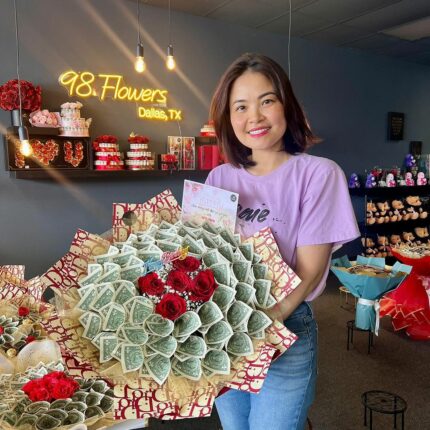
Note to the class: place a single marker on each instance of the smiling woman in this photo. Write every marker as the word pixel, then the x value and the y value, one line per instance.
pixel 304 200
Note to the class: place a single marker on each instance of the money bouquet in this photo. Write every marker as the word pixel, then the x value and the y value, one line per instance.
pixel 46 397
pixel 172 311
pixel 409 305
pixel 22 338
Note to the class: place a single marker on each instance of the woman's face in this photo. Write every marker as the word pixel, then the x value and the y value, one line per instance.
pixel 256 114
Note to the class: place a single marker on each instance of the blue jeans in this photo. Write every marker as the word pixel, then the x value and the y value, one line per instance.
pixel 289 388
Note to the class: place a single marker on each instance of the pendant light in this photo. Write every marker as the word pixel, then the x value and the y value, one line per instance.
pixel 25 147
pixel 139 63
pixel 170 59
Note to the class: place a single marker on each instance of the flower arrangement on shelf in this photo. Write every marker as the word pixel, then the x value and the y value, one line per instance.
pixel 31 96
pixel 135 138
pixel 104 138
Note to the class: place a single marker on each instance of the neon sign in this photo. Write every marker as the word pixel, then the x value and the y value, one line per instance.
pixel 87 84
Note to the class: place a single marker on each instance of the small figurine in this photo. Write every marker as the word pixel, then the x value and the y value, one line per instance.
pixel 354 182
pixel 410 161
pixel 421 179
pixel 390 180
pixel 370 181
pixel 409 179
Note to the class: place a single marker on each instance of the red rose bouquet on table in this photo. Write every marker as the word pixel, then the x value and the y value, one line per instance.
pixel 31 96
pixel 171 311
pixel 47 397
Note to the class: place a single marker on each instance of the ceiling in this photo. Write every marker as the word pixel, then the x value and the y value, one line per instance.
pixel 395 28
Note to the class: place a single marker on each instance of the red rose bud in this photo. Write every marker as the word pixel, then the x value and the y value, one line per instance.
pixel 188 264
pixel 64 389
pixel 1 330
pixel 151 284
pixel 171 306
pixel 178 280
pixel 23 311
pixel 30 339
pixel 203 286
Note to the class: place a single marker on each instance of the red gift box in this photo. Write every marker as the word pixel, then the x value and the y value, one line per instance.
pixel 208 157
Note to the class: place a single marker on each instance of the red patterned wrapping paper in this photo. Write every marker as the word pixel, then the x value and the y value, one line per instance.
pixel 143 398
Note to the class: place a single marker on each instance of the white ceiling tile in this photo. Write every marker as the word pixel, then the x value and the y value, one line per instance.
pixel 373 42
pixel 337 35
pixel 390 16
pixel 337 11
pixel 251 13
pixel 300 24
pixel 193 7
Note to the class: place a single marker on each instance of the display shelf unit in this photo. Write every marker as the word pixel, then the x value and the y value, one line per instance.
pixel 84 175
pixel 390 193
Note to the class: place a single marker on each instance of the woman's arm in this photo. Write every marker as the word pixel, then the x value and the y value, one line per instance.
pixel 311 264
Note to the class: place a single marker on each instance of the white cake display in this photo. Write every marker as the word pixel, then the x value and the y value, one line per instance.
pixel 71 122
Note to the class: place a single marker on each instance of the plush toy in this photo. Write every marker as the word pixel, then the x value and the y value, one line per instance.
pixel 395 239
pixel 421 232
pixel 410 161
pixel 413 201
pixel 422 213
pixel 412 213
pixel 370 219
pixel 401 181
pixel 382 244
pixel 421 179
pixel 397 204
pixel 409 179
pixel 354 182
pixel 390 180
pixel 371 207
pixel 408 237
pixel 370 181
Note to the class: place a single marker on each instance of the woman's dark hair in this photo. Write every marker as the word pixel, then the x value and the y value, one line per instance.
pixel 298 136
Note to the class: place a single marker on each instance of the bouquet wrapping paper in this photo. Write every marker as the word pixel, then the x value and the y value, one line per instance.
pixel 409 305
pixel 141 397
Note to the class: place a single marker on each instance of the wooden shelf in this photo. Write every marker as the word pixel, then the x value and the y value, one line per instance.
pixel 76 175
pixel 387 192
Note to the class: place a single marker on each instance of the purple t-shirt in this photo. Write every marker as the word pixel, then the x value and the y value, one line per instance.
pixel 305 201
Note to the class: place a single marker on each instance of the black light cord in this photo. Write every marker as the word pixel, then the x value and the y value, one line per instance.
pixel 139 41
pixel 170 31
pixel 17 63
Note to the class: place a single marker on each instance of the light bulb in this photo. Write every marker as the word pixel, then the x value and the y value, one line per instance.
pixel 170 59
pixel 25 148
pixel 139 64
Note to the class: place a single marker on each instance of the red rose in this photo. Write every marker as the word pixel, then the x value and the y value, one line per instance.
pixel 64 389
pixel 1 330
pixel 30 386
pixel 178 280
pixel 23 311
pixel 171 306
pixel 203 286
pixel 151 284
pixel 39 394
pixel 30 339
pixel 188 264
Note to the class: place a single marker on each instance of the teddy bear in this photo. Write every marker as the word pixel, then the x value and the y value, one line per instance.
pixel 390 182
pixel 409 179
pixel 382 245
pixel 397 204
pixel 412 214
pixel 408 237
pixel 413 201
pixel 421 232
pixel 422 213
pixel 421 179
pixel 395 239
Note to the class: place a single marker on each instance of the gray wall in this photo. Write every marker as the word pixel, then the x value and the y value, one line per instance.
pixel 346 94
